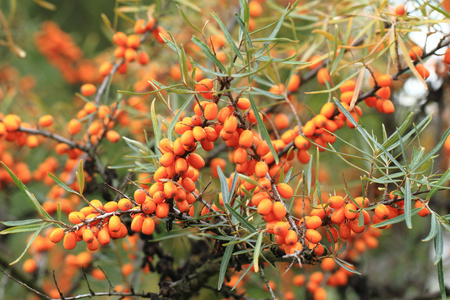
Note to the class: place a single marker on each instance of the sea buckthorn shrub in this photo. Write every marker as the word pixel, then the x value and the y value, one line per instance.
pixel 262 149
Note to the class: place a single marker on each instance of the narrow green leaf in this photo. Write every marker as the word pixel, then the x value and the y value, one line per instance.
pixel 435 149
pixel 345 265
pixel 433 228
pixel 244 30
pixel 224 265
pixel 62 184
pixel 240 218
pixel 440 271
pixel 58 212
pixel 438 245
pixel 263 129
pixel 29 243
pixel 408 61
pixel 155 127
pixel 408 203
pixel 228 37
pixel 177 116
pixel 241 240
pixel 444 178
pixel 223 185
pixel 20 222
pixel 233 186
pixel 187 20
pixel 438 10
pixel 243 275
pixel 245 11
pixel 205 49
pixel 30 197
pixel 23 228
pixel 402 129
pixel 257 252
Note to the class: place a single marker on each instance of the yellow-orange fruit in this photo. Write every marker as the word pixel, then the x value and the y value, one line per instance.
pixel 281 228
pixel 261 169
pixel 70 240
pixel 29 266
pixel 196 161
pixel 136 224
pixel 76 217
pixel 124 204
pixel 350 211
pixel 205 88
pixel 447 54
pixel 103 237
pixel 246 139
pixel 45 121
pixel 148 226
pixel 323 76
pixel 162 210
pixel 243 104
pixel 344 231
pixel 336 201
pixel 130 54
pixel 281 121
pixel 140 196
pixel 114 224
pixel 327 264
pixel 181 166
pixel 294 83
pixel 143 58
pixel 299 280
pixel 278 210
pixel 384 93
pixel 262 149
pixel 424 211
pixel 384 80
pixel 320 294
pixel 199 133
pixel 110 206
pixel 149 206
pixel 285 190
pixel 424 73
pixel 120 39
pixel 327 110
pixel 74 126
pixel 382 212
pixel 415 52
pixel 338 215
pixel 167 159
pixel 88 89
pixel 88 236
pixel 347 86
pixel 313 236
pixel 230 125
pixel 291 238
pixel 313 222
pixel 113 136
pixel 170 189
pixel 133 41
pixel 400 10
pixel 57 235
pixel 211 111
pixel 265 207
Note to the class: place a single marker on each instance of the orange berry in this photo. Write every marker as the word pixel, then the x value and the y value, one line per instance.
pixel 76 217
pixel 29 266
pixel 246 139
pixel 74 126
pixel 285 190
pixel 162 210
pixel 205 88
pixel 196 161
pixel 110 206
pixel 328 264
pixel 143 58
pixel 199 133
pixel 447 55
pixel 136 224
pixel 103 237
pixel 70 240
pixel 88 236
pixel 299 280
pixel 148 226
pixel 294 83
pixel 120 39
pixel 149 207
pixel 424 73
pixel 140 196
pixel 323 75
pixel 255 9
pixel 313 236
pixel 327 110
pixel 281 228
pixel 57 235
pixel 211 111
pixel 350 211
pixel 384 80
pixel 347 86
pixel 338 215
pixel 320 294
pixel 344 231
pixel 313 222
pixel 88 89
pixel 384 93
pixel 415 52
pixel 113 136
pixel 291 237
pixel 281 121
pixel 133 41
pixel 124 204
pixel 45 121
pixel 139 26
pixel 278 210
pixel 230 124
pixel 130 54
pixel 400 10
pixel 11 122
pixel 424 211
pixel 261 169
pixel 382 212
pixel 243 104
pixel 105 68
pixel 336 201
pixel 262 149
pixel 388 107
pixel 265 207
pixel 114 224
